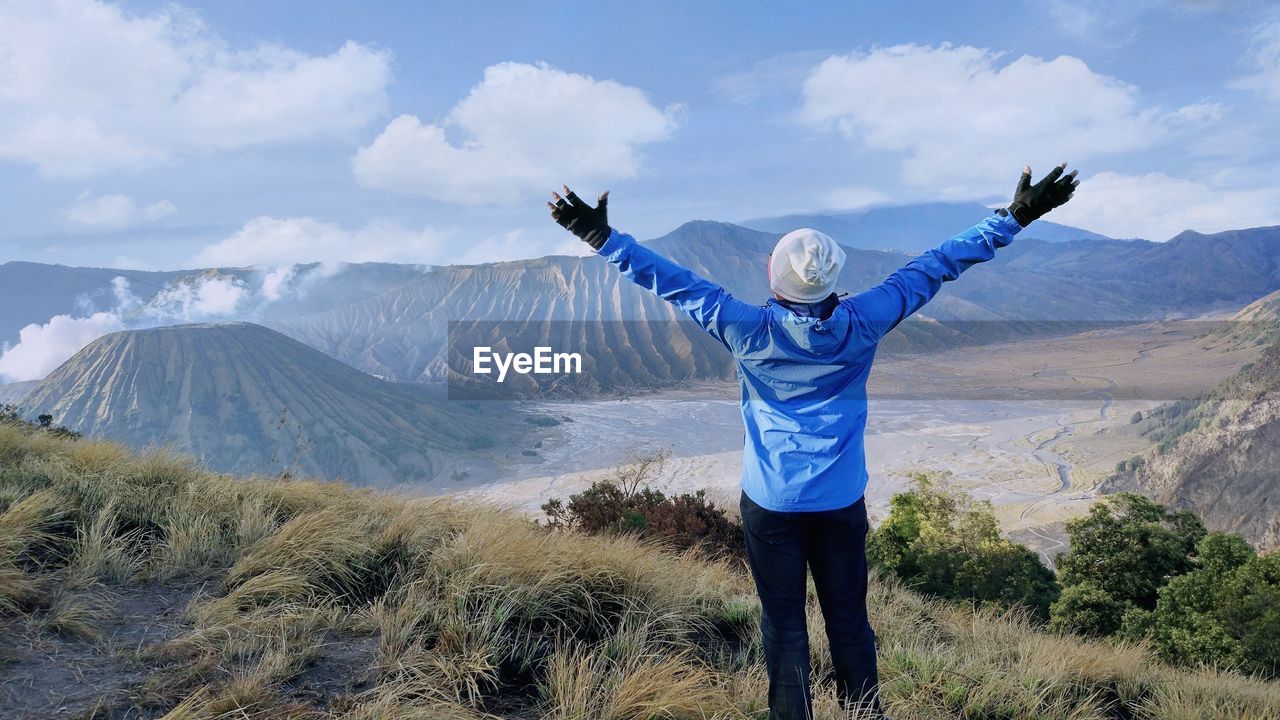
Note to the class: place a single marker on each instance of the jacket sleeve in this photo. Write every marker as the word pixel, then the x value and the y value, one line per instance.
pixel 880 309
pixel 724 317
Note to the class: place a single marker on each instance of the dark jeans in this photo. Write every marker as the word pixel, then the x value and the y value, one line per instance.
pixel 833 545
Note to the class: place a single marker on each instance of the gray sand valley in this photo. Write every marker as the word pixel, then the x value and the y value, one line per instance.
pixel 1030 426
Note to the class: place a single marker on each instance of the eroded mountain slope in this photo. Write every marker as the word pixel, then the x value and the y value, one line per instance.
pixel 246 399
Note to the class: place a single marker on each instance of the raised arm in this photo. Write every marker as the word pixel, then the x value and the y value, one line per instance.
pixel 880 309
pixel 724 317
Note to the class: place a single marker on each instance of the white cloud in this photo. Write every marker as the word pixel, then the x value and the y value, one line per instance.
pixel 85 86
pixel 524 129
pixel 110 211
pixel 1264 56
pixel 283 241
pixel 966 122
pixel 276 281
pixel 116 211
pixel 1156 206
pixel 276 244
pixel 158 210
pixel 516 245
pixel 43 347
pixel 1075 19
pixel 206 296
pixel 772 77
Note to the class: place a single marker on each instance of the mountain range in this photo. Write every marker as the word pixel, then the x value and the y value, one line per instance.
pixel 906 228
pixel 1032 286
pixel 392 321
pixel 368 404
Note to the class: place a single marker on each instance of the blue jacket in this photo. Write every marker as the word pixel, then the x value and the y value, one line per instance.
pixel 804 379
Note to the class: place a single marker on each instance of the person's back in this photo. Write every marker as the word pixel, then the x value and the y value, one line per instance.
pixel 803 362
pixel 804 406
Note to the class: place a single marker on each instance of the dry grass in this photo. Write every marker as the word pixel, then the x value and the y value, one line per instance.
pixel 78 610
pixel 478 613
pixel 599 683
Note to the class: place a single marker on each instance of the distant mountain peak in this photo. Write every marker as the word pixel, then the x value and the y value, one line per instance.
pixel 702 225
pixel 238 325
pixel 711 232
pixel 696 228
pixel 1187 235
pixel 244 398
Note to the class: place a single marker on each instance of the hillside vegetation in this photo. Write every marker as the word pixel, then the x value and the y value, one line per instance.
pixel 1219 453
pixel 142 586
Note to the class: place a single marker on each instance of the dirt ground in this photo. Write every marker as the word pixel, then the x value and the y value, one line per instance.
pixel 45 673
pixel 48 673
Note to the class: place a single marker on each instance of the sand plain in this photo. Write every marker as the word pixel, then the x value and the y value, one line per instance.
pixel 1032 426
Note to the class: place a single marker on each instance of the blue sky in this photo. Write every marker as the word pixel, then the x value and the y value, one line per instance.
pixel 161 135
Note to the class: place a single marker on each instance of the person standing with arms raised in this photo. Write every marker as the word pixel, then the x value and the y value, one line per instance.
pixel 803 361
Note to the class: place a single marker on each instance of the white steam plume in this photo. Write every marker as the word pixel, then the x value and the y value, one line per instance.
pixel 208 296
pixel 43 347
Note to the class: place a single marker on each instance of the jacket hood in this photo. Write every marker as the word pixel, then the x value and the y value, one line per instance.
pixel 811 333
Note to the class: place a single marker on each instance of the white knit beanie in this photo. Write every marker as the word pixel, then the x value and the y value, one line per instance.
pixel 805 265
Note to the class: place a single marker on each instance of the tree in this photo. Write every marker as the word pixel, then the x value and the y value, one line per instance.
pixel 1128 547
pixel 1198 598
pixel 1225 612
pixel 1249 611
pixel 947 545
pixel 1086 609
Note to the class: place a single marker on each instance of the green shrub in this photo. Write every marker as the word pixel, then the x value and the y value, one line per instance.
pixel 947 545
pixel 1226 612
pixel 1086 609
pixel 1128 547
pixel 1140 572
